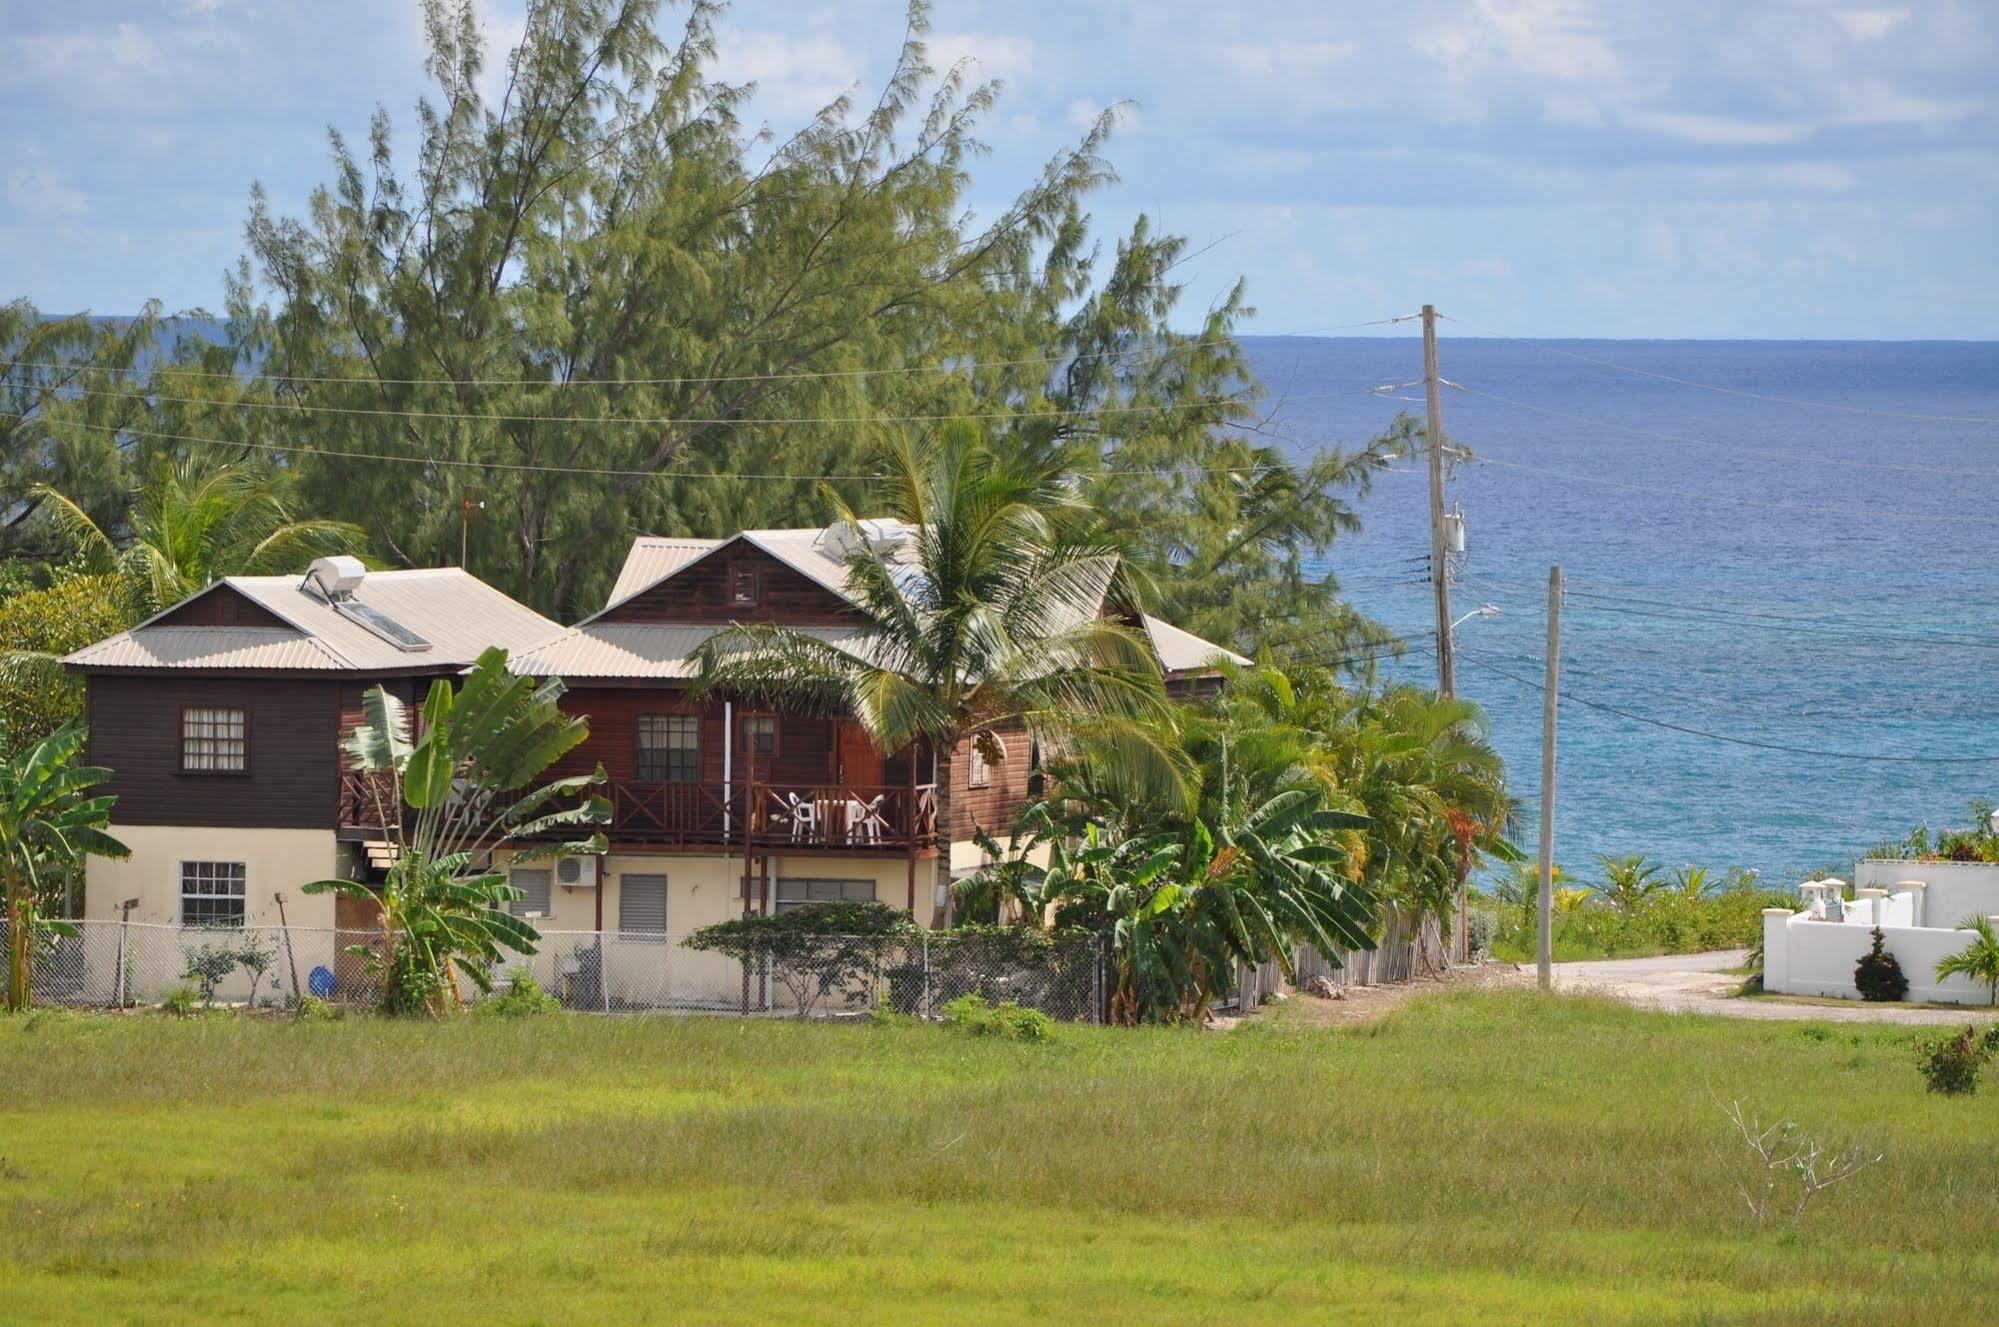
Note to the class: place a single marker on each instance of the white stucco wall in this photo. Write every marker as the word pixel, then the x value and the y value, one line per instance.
pixel 1955 890
pixel 274 861
pixel 1806 956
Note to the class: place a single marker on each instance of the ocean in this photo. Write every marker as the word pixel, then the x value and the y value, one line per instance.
pixel 1819 572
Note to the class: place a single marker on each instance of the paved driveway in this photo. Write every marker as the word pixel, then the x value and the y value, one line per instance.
pixel 1706 984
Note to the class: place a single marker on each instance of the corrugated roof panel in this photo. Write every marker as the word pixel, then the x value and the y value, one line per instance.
pixel 456 612
pixel 209 647
pixel 1182 651
pixel 661 651
pixel 651 560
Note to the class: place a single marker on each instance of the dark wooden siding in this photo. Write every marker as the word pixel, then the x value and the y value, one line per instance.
pixel 294 770
pixel 221 607
pixel 804 749
pixel 993 807
pixel 704 592
pixel 806 746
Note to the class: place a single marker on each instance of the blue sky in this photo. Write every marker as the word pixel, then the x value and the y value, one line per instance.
pixel 1709 168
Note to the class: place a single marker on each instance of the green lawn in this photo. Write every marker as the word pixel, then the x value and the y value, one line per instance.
pixel 1475 1157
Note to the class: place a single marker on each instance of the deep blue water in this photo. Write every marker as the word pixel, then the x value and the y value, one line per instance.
pixel 1880 531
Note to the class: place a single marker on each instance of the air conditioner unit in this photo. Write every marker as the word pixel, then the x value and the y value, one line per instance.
pixel 576 872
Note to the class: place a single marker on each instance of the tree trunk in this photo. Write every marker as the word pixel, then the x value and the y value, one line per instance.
pixel 941 756
pixel 17 943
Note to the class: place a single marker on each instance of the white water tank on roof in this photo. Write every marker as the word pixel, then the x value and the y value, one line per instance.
pixel 334 578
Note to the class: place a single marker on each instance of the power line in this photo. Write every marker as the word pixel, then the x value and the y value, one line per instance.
pixel 1841 629
pixel 1800 457
pixel 301 407
pixel 970 366
pixel 1817 510
pixel 1737 741
pixel 1743 392
pixel 523 468
pixel 1607 603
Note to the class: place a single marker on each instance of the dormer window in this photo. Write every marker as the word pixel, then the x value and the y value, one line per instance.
pixel 743 587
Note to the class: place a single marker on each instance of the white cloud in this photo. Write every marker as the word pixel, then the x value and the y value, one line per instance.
pixel 1487 269
pixel 795 76
pixel 1870 24
pixel 1662 242
pixel 992 55
pixel 1083 114
pixel 34 190
pixel 1721 129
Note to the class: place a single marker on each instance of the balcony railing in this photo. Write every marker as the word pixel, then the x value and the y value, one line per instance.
pixel 800 815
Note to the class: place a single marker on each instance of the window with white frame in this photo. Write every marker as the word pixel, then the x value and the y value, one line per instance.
pixel 799 891
pixel 211 893
pixel 214 739
pixel 642 907
pixel 533 884
pixel 668 748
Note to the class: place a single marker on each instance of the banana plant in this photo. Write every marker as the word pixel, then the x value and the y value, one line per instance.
pixel 49 822
pixel 458 798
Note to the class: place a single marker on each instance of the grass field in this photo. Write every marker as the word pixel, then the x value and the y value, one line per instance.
pixel 1497 1157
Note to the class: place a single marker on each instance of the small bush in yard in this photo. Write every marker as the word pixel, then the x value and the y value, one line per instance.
pixel 1878 976
pixel 181 1001
pixel 313 1009
pixel 1951 1064
pixel 978 1017
pixel 523 998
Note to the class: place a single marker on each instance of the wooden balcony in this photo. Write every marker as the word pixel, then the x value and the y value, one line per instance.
pixel 806 816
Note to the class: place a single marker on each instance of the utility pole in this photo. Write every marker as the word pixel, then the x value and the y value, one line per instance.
pixel 1551 691
pixel 1440 575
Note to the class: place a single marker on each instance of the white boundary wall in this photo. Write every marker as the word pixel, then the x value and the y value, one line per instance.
pixel 1952 890
pixel 1804 955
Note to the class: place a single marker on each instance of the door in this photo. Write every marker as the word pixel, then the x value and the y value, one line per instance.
pixel 358 922
pixel 857 764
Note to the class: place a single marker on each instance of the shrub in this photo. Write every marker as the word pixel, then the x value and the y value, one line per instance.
pixel 815 951
pixel 1878 976
pixel 1950 1064
pixel 209 966
pixel 976 1016
pixel 181 1001
pixel 410 986
pixel 313 1009
pixel 523 998
pixel 1481 926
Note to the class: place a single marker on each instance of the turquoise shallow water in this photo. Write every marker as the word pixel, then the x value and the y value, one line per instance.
pixel 1857 550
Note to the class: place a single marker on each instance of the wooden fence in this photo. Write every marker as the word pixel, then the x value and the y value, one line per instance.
pixel 1407 949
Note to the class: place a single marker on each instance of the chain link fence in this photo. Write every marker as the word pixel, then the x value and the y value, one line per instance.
pixel 110 964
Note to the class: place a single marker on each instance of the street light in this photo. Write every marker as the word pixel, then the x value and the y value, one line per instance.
pixel 1489 610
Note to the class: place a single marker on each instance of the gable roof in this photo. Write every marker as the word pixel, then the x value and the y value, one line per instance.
pixel 459 614
pixel 661 651
pixel 1182 651
pixel 653 560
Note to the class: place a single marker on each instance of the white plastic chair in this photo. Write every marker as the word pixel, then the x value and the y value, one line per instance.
pixel 804 818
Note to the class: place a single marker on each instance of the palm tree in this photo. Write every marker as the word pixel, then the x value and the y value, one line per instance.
pixel 195 522
pixel 1691 882
pixel 49 823
pixel 462 781
pixel 1978 960
pixel 1628 881
pixel 1421 768
pixel 988 617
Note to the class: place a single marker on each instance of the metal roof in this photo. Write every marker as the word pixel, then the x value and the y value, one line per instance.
pixel 210 647
pixel 658 650
pixel 652 559
pixel 457 613
pixel 1182 651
